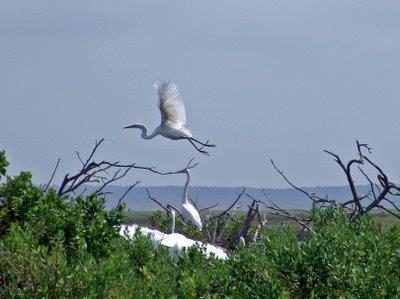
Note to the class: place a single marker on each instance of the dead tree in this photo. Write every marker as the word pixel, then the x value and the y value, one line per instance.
pixel 99 173
pixel 381 192
pixel 246 224
pixel 381 195
pixel 216 225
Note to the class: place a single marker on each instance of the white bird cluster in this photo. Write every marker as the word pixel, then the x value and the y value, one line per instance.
pixel 173 120
pixel 176 243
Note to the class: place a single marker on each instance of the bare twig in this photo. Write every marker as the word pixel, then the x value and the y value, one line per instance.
pixel 311 195
pixel 98 172
pixel 126 192
pixel 46 187
pixel 357 205
pixel 244 229
pixel 156 201
pixel 230 207
pixel 209 207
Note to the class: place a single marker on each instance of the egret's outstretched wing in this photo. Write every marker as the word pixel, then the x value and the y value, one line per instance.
pixel 170 104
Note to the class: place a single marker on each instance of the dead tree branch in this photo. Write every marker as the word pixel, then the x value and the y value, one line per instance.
pixel 98 173
pixel 359 204
pixel 230 207
pixel 126 192
pixel 311 195
pixel 244 229
pixel 156 201
pixel 46 187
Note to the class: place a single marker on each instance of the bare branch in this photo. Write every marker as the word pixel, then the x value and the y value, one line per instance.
pixel 190 165
pixel 46 187
pixel 347 171
pixel 357 205
pixel 99 172
pixel 276 210
pixel 157 202
pixel 393 204
pixel 230 207
pixel 126 192
pixel 208 208
pixel 244 229
pixel 315 198
pixel 371 184
pixel 389 211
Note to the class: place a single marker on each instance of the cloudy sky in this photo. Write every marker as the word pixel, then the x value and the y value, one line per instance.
pixel 261 79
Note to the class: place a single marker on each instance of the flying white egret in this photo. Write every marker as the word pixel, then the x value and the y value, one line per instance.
pixel 173 117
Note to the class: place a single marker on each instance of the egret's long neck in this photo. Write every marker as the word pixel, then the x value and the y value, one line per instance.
pixel 173 221
pixel 184 196
pixel 144 132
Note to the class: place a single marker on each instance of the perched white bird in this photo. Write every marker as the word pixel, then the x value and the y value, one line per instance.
pixel 242 242
pixel 176 243
pixel 173 117
pixel 154 235
pixel 189 211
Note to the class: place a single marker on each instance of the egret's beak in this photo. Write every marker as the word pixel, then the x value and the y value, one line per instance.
pixel 129 127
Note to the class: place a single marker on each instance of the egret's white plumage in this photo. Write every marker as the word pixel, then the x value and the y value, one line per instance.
pixel 171 106
pixel 173 116
pixel 155 235
pixel 176 243
pixel 189 211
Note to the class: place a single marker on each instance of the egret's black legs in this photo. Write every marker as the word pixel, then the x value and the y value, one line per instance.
pixel 203 144
pixel 198 149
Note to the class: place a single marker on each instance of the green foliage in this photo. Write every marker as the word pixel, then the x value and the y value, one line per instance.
pixel 52 246
pixel 3 163
pixel 342 259
pixel 351 258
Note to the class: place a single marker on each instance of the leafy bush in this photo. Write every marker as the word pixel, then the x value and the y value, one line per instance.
pixel 3 163
pixel 342 259
pixel 52 246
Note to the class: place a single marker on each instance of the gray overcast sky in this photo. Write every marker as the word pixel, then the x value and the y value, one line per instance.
pixel 261 79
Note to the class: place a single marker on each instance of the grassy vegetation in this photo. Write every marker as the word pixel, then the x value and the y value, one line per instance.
pixel 142 218
pixel 137 217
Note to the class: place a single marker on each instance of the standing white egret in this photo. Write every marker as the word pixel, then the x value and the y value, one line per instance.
pixel 189 211
pixel 173 221
pixel 173 117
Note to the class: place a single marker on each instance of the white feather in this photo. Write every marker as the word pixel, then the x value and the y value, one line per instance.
pixel 176 243
pixel 173 117
pixel 173 113
pixel 189 212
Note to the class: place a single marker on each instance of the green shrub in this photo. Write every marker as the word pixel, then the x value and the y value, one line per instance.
pixel 52 246
pixel 342 259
